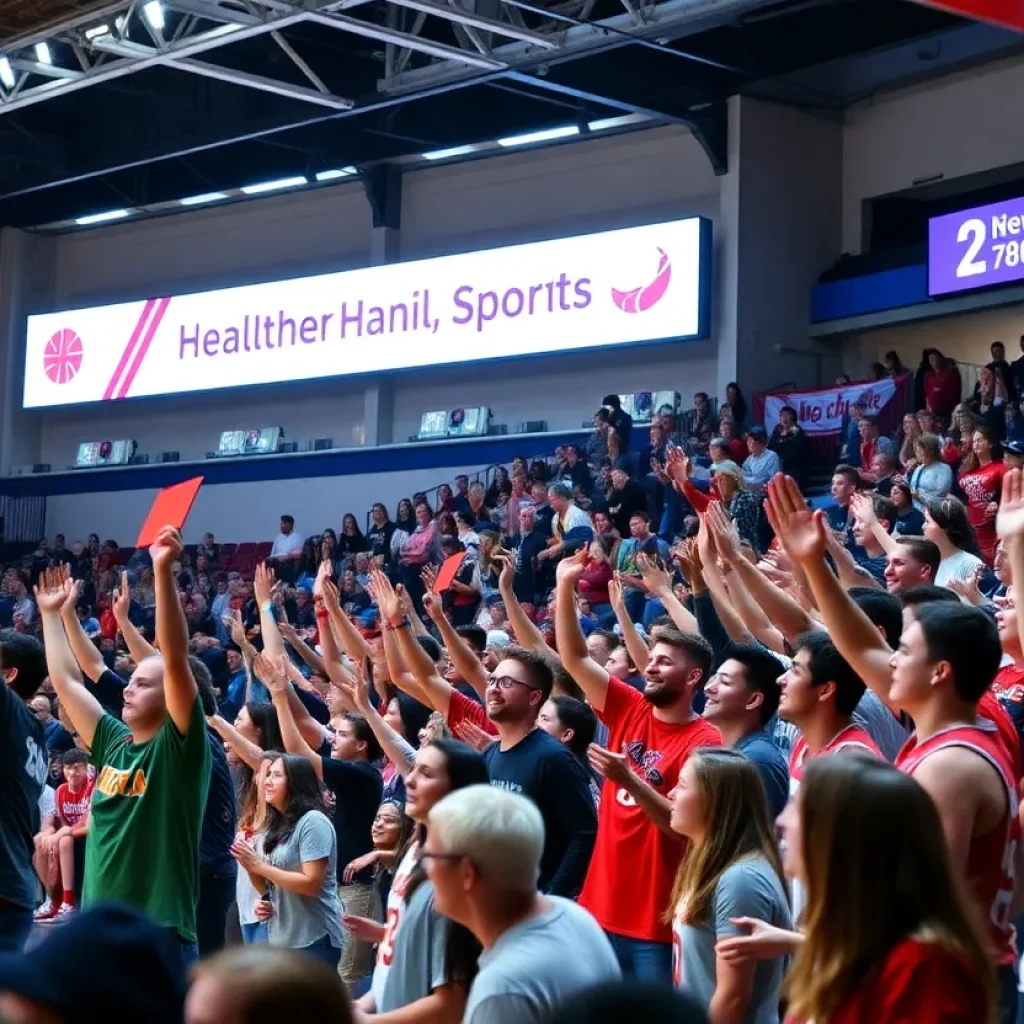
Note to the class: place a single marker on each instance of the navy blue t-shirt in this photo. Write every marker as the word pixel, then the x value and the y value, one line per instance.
pixel 553 777
pixel 219 819
pixel 22 777
pixel 356 787
pixel 773 766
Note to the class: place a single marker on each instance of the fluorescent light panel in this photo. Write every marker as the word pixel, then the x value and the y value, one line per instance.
pixel 43 53
pixel 273 186
pixel 206 197
pixel 547 135
pixel 154 12
pixel 447 154
pixel 6 73
pixel 96 31
pixel 100 218
pixel 335 173
pixel 604 123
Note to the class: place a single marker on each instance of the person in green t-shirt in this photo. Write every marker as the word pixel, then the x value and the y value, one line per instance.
pixel 153 767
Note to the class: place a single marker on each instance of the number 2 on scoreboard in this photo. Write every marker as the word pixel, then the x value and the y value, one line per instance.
pixel 974 229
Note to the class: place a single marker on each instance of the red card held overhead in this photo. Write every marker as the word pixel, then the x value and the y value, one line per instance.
pixel 446 574
pixel 171 508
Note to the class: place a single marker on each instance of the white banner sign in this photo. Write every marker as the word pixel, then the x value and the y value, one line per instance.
pixel 592 291
pixel 822 412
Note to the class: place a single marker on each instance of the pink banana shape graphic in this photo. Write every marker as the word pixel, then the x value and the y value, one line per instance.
pixel 639 300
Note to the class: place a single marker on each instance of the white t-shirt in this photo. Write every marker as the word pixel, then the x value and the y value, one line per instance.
pixel 574 518
pixel 286 544
pixel 395 909
pixel 959 566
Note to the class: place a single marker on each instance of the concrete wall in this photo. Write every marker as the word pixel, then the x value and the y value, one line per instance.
pixel 953 126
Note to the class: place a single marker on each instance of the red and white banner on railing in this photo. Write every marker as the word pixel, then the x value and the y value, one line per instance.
pixel 822 412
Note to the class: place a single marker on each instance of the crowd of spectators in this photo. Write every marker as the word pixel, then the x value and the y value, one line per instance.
pixel 533 735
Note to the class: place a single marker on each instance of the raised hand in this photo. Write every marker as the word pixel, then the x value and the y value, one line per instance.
pixel 1010 518
pixel 329 595
pixel 572 568
pixel 724 532
pixel 471 733
pixel 863 508
pixel 655 578
pixel 262 584
pixel 615 595
pixel 122 598
pixel 271 672
pixel 677 465
pixel 802 531
pixel 167 547
pixel 388 601
pixel 323 576
pixel 431 598
pixel 506 575
pixel 967 586
pixel 359 691
pixel 49 591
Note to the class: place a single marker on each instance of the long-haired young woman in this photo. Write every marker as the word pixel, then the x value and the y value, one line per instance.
pixel 732 870
pixel 947 525
pixel 889 936
pixel 297 863
pixel 424 963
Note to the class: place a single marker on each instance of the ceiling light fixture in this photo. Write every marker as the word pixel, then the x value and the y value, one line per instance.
pixel 100 218
pixel 154 12
pixel 273 186
pixel 546 135
pixel 447 154
pixel 6 73
pixel 43 54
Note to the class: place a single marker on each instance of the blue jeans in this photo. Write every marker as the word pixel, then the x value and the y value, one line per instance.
pixel 15 927
pixel 255 933
pixel 324 951
pixel 649 962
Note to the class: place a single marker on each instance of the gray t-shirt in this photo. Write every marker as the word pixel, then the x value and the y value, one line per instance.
pixel 749 888
pixel 880 724
pixel 527 973
pixel 299 921
pixel 418 960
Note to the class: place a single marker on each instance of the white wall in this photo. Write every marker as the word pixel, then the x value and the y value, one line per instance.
pixel 590 185
pixel 274 237
pixel 583 186
pixel 245 511
pixel 953 126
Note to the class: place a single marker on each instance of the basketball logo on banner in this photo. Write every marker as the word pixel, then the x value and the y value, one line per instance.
pixel 62 356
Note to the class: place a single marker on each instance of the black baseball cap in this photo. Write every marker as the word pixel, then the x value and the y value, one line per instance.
pixel 104 963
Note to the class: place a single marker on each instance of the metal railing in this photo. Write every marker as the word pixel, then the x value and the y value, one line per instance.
pixel 22 519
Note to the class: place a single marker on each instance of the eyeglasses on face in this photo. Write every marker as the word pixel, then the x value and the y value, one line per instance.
pixel 507 682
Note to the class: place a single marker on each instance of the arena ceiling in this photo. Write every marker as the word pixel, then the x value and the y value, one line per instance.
pixel 134 103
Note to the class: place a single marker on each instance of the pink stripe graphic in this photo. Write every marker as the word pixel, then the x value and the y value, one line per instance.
pixel 154 326
pixel 127 353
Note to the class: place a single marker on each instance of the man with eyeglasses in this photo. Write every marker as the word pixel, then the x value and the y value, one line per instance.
pixel 528 761
pixel 525 759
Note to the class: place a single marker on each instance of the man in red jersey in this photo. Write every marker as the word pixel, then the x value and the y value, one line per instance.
pixel 945 664
pixel 819 693
pixel 650 736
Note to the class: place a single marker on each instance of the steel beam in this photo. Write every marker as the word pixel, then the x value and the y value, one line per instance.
pixel 229 75
pixel 343 23
pixel 468 18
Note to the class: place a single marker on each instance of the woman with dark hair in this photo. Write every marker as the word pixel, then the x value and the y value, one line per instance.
pixel 893 364
pixel 295 869
pixel 351 541
pixel 888 933
pixel 931 478
pixel 737 403
pixel 405 518
pixel 420 549
pixel 425 963
pixel 909 520
pixel 789 442
pixel 445 500
pixel 391 833
pixel 732 870
pixel 989 402
pixel 947 525
pixel 941 385
pixel 378 536
pixel 981 480
pixel 309 562
pixel 501 484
